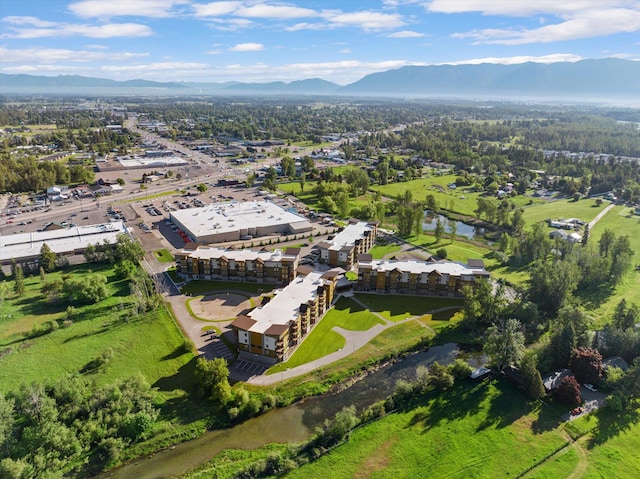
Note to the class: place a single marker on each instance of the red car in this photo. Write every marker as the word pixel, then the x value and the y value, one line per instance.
pixel 576 411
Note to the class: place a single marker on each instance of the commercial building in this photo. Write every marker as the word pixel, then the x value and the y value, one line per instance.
pixel 204 262
pixel 356 238
pixel 273 331
pixel 62 241
pixel 442 278
pixel 232 221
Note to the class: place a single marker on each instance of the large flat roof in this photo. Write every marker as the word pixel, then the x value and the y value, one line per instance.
pixel 233 216
pixel 349 235
pixel 285 306
pixel 160 162
pixel 418 267
pixel 27 245
pixel 208 252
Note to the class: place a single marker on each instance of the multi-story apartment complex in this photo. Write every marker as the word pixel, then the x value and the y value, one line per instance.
pixel 205 262
pixel 274 330
pixel 441 278
pixel 356 238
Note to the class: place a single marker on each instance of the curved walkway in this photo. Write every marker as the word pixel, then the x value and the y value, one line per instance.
pixel 354 341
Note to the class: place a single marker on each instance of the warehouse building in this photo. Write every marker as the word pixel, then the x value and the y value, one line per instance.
pixel 205 262
pixel 441 278
pixel 62 240
pixel 356 238
pixel 233 221
pixel 274 330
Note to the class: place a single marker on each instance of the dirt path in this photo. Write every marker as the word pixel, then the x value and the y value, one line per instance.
pixel 583 460
pixel 600 215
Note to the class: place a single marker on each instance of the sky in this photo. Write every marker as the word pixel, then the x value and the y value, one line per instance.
pixel 338 41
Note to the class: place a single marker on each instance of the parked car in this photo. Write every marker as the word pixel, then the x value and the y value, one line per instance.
pixel 590 387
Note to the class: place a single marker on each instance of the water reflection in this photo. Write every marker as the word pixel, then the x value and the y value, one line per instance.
pixel 463 229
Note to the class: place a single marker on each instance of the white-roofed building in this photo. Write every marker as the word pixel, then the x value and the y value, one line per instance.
pixel 274 330
pixel 206 262
pixel 358 237
pixel 233 221
pixel 64 241
pixel 442 278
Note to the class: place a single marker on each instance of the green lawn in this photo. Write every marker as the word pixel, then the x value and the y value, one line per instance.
pixel 321 341
pixel 397 308
pixel 203 286
pixel 381 250
pixel 163 255
pixel 585 210
pixel 621 222
pixel 490 430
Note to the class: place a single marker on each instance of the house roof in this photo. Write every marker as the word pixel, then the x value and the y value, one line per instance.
pixel 552 380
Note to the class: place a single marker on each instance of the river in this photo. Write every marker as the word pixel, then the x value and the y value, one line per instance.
pixel 291 424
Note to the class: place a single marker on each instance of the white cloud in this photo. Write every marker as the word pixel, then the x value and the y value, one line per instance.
pixel 230 24
pixel 176 68
pixel 366 20
pixel 307 26
pixel 577 19
pixel 55 55
pixel 345 50
pixel 247 47
pixel 118 8
pixel 215 9
pixel 588 24
pixel 406 34
pixel 31 27
pixel 521 8
pixel 554 58
pixel 213 52
pixel 272 11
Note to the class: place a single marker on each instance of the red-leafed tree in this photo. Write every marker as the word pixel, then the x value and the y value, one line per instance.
pixel 586 364
pixel 568 392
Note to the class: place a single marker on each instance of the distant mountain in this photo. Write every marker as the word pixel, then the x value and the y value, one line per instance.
pixel 8 82
pixel 601 79
pixel 585 79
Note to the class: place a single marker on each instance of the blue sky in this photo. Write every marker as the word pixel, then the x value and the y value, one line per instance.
pixel 339 41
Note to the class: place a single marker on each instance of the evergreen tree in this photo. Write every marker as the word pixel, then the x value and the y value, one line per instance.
pixel 18 281
pixel 47 258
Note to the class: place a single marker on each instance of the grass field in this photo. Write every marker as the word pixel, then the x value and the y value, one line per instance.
pixel 163 255
pixel 397 308
pixel 585 210
pixel 322 340
pixel 621 222
pixel 486 431
pixel 381 250
pixel 203 286
pixel 148 344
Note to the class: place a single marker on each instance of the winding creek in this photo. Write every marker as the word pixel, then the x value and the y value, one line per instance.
pixel 291 424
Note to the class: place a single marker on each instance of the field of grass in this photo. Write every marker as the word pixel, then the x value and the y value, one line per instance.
pixel 322 340
pixel 486 431
pixel 163 255
pixel 585 210
pixel 202 286
pixel 379 251
pixel 148 344
pixel 621 222
pixel 397 308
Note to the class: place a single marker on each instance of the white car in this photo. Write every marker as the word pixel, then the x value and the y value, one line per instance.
pixel 590 387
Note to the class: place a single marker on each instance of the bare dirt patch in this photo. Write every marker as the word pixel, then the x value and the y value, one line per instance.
pixel 215 307
pixel 378 461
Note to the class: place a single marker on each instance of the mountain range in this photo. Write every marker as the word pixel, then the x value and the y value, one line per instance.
pixel 599 79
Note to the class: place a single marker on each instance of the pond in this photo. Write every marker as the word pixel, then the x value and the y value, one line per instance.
pixel 291 424
pixel 463 229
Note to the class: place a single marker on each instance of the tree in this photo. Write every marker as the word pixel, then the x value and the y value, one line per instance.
pixel 214 376
pixel 121 181
pixel 621 254
pixel 201 187
pixel 90 289
pixel 504 343
pixel 586 364
pixel 503 244
pixel 625 317
pixel 453 228
pixel 606 242
pixel 587 234
pixel 303 180
pixel 531 376
pixel 127 248
pixel 4 290
pixel 439 231
pixel 342 203
pixel 440 377
pixel 568 392
pixel 47 258
pixel 18 281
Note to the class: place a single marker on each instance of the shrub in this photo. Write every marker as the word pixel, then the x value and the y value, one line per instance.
pixel 442 253
pixel 460 369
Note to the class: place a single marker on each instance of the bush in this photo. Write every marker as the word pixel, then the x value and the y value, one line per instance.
pixel 188 346
pixel 460 369
pixel 442 253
